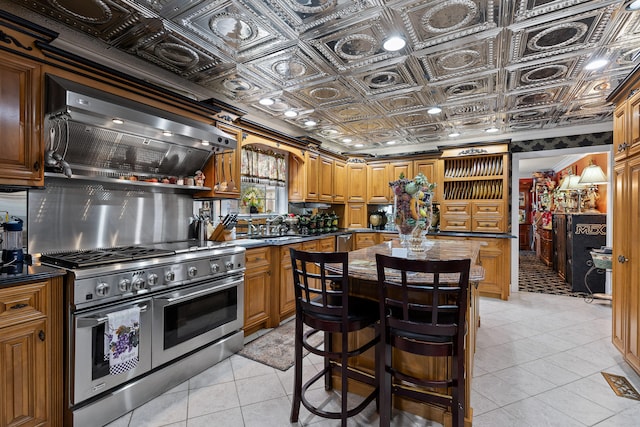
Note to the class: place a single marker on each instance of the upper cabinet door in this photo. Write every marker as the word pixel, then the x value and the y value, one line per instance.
pixel 21 144
pixel 339 181
pixel 378 189
pixel 325 179
pixel 312 167
pixel 356 182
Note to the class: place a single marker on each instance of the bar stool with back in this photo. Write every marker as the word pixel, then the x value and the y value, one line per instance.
pixel 423 307
pixel 323 304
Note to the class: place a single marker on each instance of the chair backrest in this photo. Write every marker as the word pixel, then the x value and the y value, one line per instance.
pixel 319 291
pixel 423 297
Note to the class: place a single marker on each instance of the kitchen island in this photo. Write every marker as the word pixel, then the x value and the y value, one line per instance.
pixel 363 275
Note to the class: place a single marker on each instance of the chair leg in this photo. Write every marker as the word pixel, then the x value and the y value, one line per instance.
pixel 328 346
pixel 344 378
pixel 297 376
pixel 386 397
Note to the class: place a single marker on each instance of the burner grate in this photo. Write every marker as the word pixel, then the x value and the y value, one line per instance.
pixel 98 257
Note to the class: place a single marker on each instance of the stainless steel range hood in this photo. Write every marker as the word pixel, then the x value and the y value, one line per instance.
pixel 148 141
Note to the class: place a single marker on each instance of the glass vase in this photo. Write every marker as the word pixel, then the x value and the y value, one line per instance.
pixel 413 216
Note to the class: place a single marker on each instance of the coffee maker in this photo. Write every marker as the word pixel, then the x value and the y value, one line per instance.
pixel 12 254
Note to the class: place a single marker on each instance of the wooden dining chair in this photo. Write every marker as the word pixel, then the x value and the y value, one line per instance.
pixel 423 306
pixel 324 305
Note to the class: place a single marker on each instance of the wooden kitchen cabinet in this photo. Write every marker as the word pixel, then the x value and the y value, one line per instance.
pixel 355 215
pixel 286 300
pixel 364 240
pixel 357 182
pixel 297 179
pixel 327 244
pixel 257 289
pixel 378 190
pixel 31 354
pixel 429 168
pixel 21 115
pixel 626 210
pixel 339 181
pixel 312 167
pixel 222 171
pixel 325 179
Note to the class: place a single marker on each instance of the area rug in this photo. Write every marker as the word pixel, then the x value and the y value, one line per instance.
pixel 276 348
pixel 534 276
pixel 621 386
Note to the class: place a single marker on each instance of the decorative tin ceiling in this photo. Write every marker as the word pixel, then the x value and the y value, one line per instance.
pixel 518 65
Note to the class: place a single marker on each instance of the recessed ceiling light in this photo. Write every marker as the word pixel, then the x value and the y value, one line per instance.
pixel 596 63
pixel 205 142
pixel 492 130
pixel 391 142
pixel 290 113
pixel 117 121
pixel 167 133
pixel 454 134
pixel 310 123
pixel 394 43
pixel 266 101
pixel 347 140
pixel 634 5
pixel 434 110
pixel 359 145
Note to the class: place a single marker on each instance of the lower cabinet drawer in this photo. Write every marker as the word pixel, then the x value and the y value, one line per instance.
pixel 455 223
pixel 488 224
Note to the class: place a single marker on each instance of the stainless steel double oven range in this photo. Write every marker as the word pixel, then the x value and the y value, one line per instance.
pixel 191 304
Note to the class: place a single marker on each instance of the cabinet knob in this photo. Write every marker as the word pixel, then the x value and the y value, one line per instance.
pixel 622 259
pixel 41 335
pixel 36 166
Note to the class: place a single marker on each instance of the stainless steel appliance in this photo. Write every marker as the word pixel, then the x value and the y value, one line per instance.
pixel 190 301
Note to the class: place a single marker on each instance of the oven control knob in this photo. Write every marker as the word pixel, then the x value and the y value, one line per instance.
pixel 193 271
pixel 138 284
pixel 215 267
pixel 170 276
pixel 124 285
pixel 102 289
pixel 229 265
pixel 152 279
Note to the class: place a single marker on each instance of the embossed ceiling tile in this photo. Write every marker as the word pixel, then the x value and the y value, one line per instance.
pixel 168 8
pixel 535 98
pixel 367 126
pixel 233 28
pixel 401 102
pixel 358 44
pixel 568 33
pixel 291 66
pixel 527 9
pixel 486 105
pixel 589 106
pixel 531 115
pixel 302 16
pixel 550 73
pixel 431 23
pixel 463 88
pixel 175 53
pixel 236 84
pixel 584 119
pixel 629 29
pixel 601 87
pixel 350 112
pixel 426 130
pixel 327 93
pixel 414 118
pixel 105 19
pixel 460 60
pixel 282 103
pixel 385 79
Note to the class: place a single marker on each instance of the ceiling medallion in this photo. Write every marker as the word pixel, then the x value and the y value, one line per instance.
pixel 545 73
pixel 237 85
pixel 449 16
pixel 535 98
pixel 278 105
pixel 176 54
pixel 324 93
pixel 602 86
pixel 289 68
pixel 382 79
pixel 399 102
pixel 593 104
pixel 459 59
pixel 527 115
pixel 462 88
pixel 349 113
pixel 101 14
pixel 232 26
pixel 356 46
pixel 311 6
pixel 557 36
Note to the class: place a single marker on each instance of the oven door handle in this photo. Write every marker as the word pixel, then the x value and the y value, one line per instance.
pixel 175 300
pixel 90 322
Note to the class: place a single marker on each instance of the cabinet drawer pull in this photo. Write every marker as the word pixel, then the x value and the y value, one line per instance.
pixel 18 306
pixel 622 259
pixel 36 166
pixel 41 335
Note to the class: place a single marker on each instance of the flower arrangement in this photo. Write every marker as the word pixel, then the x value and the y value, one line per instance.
pixel 412 204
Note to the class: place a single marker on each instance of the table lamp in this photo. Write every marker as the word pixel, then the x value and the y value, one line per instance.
pixel 591 177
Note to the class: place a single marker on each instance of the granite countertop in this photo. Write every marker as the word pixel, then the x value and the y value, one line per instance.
pixel 10 276
pixel 362 262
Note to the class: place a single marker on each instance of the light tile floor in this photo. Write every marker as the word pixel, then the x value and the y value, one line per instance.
pixel 538 363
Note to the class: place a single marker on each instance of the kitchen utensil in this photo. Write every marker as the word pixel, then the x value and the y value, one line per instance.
pixel 12 243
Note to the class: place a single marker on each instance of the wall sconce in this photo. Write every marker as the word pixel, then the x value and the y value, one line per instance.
pixel 591 177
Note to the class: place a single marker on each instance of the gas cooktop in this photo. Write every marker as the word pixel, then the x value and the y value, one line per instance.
pixel 96 257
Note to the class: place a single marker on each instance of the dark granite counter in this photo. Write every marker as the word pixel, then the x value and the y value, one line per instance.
pixel 444 233
pixel 29 273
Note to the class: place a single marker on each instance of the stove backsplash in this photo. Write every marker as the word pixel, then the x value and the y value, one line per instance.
pixel 77 215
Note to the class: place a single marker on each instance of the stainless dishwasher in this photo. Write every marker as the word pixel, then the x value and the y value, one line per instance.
pixel 343 242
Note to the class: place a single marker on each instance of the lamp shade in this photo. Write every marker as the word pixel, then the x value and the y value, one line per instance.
pixel 593 174
pixel 571 182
